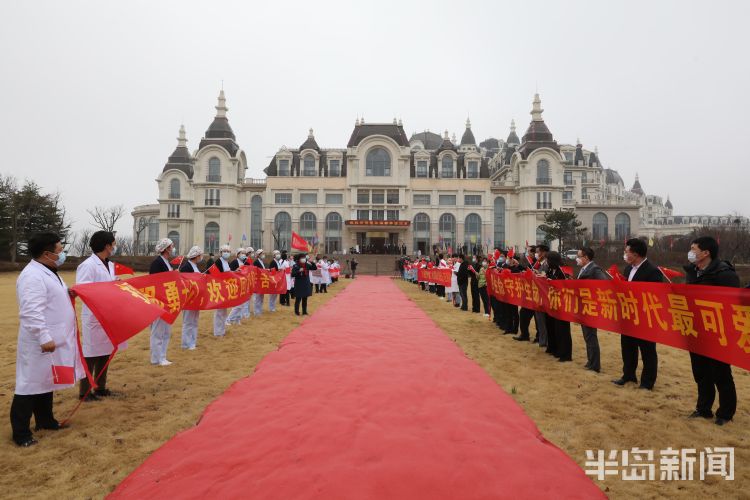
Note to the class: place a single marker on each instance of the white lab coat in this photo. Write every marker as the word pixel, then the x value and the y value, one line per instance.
pixel 454 279
pixel 45 315
pixel 325 273
pixel 286 264
pixel 95 341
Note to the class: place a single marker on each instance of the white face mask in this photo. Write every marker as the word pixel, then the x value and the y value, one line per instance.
pixel 536 256
pixel 114 249
pixel 579 261
pixel 225 255
pixel 484 263
pixel 242 257
pixel 302 260
pixel 625 258
pixel 692 257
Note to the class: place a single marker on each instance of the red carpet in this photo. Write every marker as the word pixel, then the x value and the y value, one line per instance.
pixel 368 398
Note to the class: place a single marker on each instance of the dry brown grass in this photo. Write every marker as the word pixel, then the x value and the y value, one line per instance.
pixel 578 409
pixel 108 439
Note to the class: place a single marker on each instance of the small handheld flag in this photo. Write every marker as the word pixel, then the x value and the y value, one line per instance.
pixel 121 269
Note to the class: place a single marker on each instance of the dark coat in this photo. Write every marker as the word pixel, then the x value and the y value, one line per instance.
pixel 209 263
pixel 301 275
pixel 235 264
pixel 555 273
pixel 185 267
pixel 593 272
pixel 259 263
pixel 647 272
pixel 462 275
pixel 717 273
pixel 221 266
pixel 273 264
pixel 158 266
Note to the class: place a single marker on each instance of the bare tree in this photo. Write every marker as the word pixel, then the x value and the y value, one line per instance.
pixel 124 245
pixel 80 243
pixel 106 218
pixel 140 227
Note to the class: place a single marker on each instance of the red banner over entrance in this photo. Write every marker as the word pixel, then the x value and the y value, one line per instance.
pixel 709 320
pixel 440 276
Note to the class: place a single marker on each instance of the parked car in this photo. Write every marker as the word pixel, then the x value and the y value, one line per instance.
pixel 571 254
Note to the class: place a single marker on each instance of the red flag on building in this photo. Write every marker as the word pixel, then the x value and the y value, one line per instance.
pixel 121 269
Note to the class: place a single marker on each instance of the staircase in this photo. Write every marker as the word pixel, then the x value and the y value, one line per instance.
pixel 382 265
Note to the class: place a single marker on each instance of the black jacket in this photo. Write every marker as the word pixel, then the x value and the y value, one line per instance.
pixel 259 263
pixel 593 272
pixel 462 275
pixel 717 273
pixel 555 273
pixel 220 266
pixel 158 266
pixel 646 272
pixel 235 264
pixel 185 267
pixel 273 264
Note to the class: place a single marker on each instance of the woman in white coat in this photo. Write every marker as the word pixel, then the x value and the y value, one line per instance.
pixel 96 344
pixel 161 331
pixel 325 274
pixel 47 353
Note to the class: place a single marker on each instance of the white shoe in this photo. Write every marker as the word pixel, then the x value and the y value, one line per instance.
pixel 165 362
pixel 191 348
pixel 486 315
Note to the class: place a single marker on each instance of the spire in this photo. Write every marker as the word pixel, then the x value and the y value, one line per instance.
pixel 395 122
pixel 310 135
pixel 180 158
pixel 445 137
pixel 400 124
pixel 536 109
pixel 453 138
pixel 182 140
pixel 637 186
pixel 221 108
pixel 356 122
pixel 468 122
pixel 512 126
pixel 310 142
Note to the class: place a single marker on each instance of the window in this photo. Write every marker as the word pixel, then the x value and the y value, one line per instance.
pixel 567 196
pixel 568 178
pixel 308 226
pixel 600 226
pixel 584 193
pixel 421 199
pixel 334 168
pixel 543 200
pixel 568 156
pixel 308 169
pixel 378 215
pixel 211 237
pixel 378 163
pixel 282 231
pixel 214 170
pixel 392 197
pixel 173 210
pixel 283 198
pixel 421 231
pixel 473 199
pixel 500 222
pixel 622 226
pixel 447 199
pixel 583 177
pixel 472 172
pixel 447 228
pixel 363 196
pixel 333 233
pixel 392 215
pixel 473 232
pixel 256 221
pixel 422 168
pixel 213 197
pixel 308 198
pixel 363 215
pixel 447 163
pixel 334 199
pixel 542 172
pixel 174 189
pixel 378 196
pixel 284 167
pixel 175 237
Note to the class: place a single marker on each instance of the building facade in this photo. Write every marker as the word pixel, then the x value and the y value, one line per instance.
pixel 385 190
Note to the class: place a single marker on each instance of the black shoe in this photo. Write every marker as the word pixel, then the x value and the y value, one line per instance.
pixel 646 388
pixel 622 381
pixel 698 414
pixel 103 393
pixel 295 312
pixel 521 337
pixel 564 360
pixel 507 333
pixel 722 421
pixel 29 442
pixel 89 397
pixel 304 314
pixel 55 426
pixel 535 341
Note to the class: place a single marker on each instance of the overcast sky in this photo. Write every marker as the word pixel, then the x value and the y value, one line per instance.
pixel 92 94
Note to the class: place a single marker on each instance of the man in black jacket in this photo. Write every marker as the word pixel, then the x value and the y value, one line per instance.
pixel 462 278
pixel 710 374
pixel 590 270
pixel 639 268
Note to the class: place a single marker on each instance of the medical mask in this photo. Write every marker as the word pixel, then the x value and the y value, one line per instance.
pixel 174 251
pixel 501 260
pixel 579 261
pixel 484 263
pixel 60 259
pixel 473 259
pixel 225 255
pixel 536 256
pixel 242 257
pixel 114 249
pixel 692 257
pixel 302 261
pixel 625 258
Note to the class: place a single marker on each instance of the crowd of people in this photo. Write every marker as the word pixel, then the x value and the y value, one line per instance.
pixel 47 330
pixel 468 274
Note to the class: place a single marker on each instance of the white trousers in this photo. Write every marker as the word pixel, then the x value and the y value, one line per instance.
pixel 220 318
pixel 272 302
pixel 189 328
pixel 258 303
pixel 161 331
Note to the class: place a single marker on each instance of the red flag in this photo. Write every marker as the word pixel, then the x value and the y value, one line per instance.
pixel 63 374
pixel 177 260
pixel 615 273
pixel 511 252
pixel 121 269
pixel 299 243
pixel 496 255
pixel 213 270
pixel 670 274
pixel 529 260
pixel 567 270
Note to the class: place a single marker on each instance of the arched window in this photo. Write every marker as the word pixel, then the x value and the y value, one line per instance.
pixel 214 170
pixel 600 227
pixel 175 237
pixel 542 238
pixel 500 222
pixel 622 226
pixel 282 231
pixel 174 189
pixel 333 233
pixel 473 233
pixel 447 167
pixel 421 231
pixel 447 231
pixel 211 237
pixel 256 221
pixel 378 163
pixel 308 227
pixel 309 166
pixel 542 172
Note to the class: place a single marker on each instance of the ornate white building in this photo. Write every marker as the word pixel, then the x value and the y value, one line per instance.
pixel 384 188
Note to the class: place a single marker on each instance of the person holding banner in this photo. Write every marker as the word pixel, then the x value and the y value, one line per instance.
pixel 639 268
pixel 590 271
pixel 241 311
pixel 260 264
pixel 239 260
pixel 95 343
pixel 525 315
pixel 161 331
pixel 286 267
pixel 47 354
pixel 540 318
pixel 560 343
pixel 190 318
pixel 302 287
pixel 275 265
pixel 482 285
pixel 711 375
pixel 220 315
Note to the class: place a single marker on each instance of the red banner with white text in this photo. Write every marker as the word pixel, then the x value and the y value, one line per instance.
pixel 709 320
pixel 439 276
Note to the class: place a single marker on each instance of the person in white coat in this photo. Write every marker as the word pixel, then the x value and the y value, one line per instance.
pixel 190 318
pixel 276 264
pixel 220 315
pixel 96 344
pixel 47 354
pixel 161 331
pixel 258 297
pixel 325 274
pixel 286 266
pixel 238 313
pixel 246 311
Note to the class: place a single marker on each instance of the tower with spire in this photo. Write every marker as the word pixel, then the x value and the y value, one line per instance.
pixel 180 158
pixel 220 132
pixel 537 135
